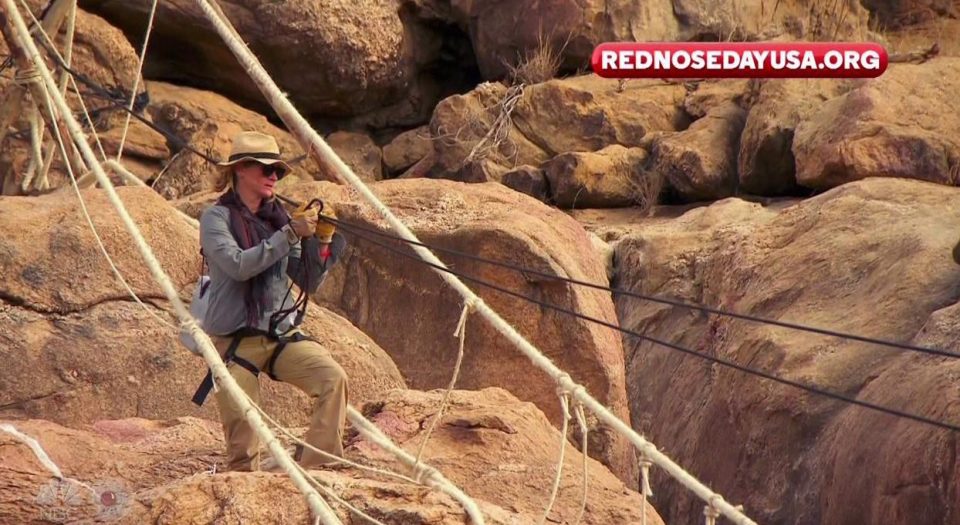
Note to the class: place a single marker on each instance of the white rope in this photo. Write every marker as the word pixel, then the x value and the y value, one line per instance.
pixel 333 495
pixel 584 431
pixel 46 36
pixel 42 456
pixel 311 141
pixel 86 214
pixel 117 167
pixel 461 333
pixel 711 514
pixel 44 182
pixel 283 430
pixel 565 405
pixel 645 489
pixel 36 448
pixel 136 81
pixel 426 474
pixel 210 354
pixel 36 147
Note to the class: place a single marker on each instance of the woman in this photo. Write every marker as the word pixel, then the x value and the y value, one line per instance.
pixel 252 248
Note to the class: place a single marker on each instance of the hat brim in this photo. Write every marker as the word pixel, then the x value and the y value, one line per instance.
pixel 268 162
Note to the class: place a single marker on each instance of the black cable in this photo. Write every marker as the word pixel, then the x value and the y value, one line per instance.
pixel 717 360
pixel 114 97
pixel 653 298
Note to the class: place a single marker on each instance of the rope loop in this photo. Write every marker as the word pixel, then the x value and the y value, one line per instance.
pixel 645 465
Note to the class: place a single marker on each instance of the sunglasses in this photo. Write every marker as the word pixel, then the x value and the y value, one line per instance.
pixel 269 170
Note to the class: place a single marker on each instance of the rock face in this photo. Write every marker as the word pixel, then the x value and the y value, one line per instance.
pixel 407 149
pixel 579 114
pixel 499 450
pixel 758 20
pixel 504 451
pixel 608 178
pixel 359 152
pixel 412 314
pixel 766 165
pixel 78 347
pixel 505 33
pixel 700 163
pixel 355 50
pixel 142 471
pixel 903 124
pixel 208 122
pixel 894 14
pixel 788 455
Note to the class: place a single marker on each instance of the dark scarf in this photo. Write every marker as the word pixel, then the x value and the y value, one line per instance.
pixel 250 230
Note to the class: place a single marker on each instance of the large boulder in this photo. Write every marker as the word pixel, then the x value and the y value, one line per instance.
pixel 759 20
pixel 208 122
pixel 700 163
pixel 910 465
pixel 359 152
pixel 411 313
pixel 101 53
pixel 765 161
pixel 336 58
pixel 895 14
pixel 460 129
pixel 406 149
pixel 580 114
pixel 79 349
pixel 609 178
pixel 903 124
pixel 508 33
pixel 504 451
pixel 870 258
pixel 588 113
pixel 136 471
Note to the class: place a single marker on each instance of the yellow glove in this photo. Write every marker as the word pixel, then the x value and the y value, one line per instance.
pixel 326 229
pixel 304 221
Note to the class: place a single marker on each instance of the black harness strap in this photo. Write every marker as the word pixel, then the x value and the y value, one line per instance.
pixel 231 356
pixel 281 345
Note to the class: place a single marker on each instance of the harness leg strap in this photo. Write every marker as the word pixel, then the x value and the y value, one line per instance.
pixel 207 384
pixel 281 345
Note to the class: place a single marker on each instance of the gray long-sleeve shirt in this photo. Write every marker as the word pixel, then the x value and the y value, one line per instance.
pixel 231 266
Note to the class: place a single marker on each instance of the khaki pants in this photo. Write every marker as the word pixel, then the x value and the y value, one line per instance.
pixel 304 364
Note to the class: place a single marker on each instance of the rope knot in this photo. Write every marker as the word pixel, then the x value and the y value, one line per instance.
pixel 424 472
pixel 711 510
pixel 565 383
pixel 469 305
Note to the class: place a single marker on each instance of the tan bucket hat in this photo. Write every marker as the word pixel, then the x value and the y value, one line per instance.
pixel 255 146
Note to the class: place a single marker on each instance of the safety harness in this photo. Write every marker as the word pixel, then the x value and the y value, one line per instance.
pixel 231 356
pixel 299 306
